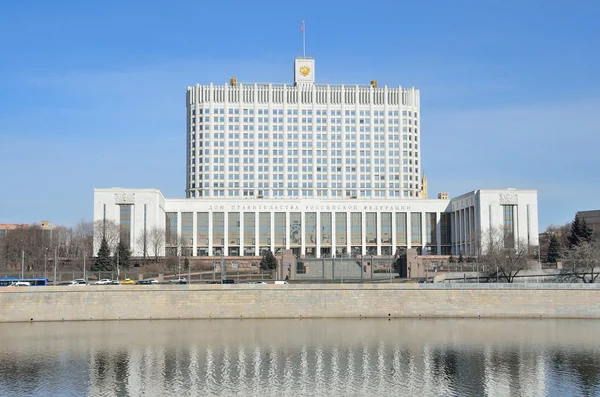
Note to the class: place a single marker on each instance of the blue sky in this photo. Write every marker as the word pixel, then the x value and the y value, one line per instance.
pixel 92 93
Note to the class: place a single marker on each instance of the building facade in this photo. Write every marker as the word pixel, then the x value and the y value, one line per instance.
pixel 320 170
pixel 303 140
pixel 318 227
pixel 48 231
pixel 592 218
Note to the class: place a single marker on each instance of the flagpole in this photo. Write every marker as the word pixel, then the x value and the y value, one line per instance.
pixel 303 39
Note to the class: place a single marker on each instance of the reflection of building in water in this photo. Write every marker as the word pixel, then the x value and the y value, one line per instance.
pixel 373 369
pixel 514 372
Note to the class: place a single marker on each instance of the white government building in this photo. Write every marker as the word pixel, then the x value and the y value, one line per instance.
pixel 317 169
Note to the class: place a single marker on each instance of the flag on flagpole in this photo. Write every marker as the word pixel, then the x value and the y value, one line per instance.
pixel 302 27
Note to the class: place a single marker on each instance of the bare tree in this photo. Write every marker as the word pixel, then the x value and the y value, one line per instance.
pixel 143 243
pixel 583 261
pixel 109 230
pixel 29 245
pixel 157 241
pixel 503 256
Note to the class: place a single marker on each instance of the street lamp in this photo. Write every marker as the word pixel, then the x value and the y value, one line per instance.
pixel 45 262
pixel 179 259
pixel 189 263
pixel 55 261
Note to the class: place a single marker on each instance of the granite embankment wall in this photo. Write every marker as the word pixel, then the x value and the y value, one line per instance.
pixel 298 301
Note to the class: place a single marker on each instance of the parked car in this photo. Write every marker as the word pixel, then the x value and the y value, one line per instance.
pixel 260 282
pixel 228 282
pixel 104 281
pixel 63 283
pixel 146 282
pixel 179 280
pixel 281 282
pixel 127 281
pixel 78 282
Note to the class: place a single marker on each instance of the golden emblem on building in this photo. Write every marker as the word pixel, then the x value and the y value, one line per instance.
pixel 304 71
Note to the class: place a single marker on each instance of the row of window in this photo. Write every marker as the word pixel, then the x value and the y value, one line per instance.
pixel 247 192
pixel 305 128
pixel 304 112
pixel 305 120
pixel 349 228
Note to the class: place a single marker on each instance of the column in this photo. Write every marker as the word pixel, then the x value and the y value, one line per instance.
pixel 460 231
pixel 408 230
pixel 378 229
pixel 302 233
pixel 393 226
pixel 194 233
pixel 256 229
pixel 272 230
pixel 210 234
pixel 423 232
pixel 333 225
pixel 241 244
pixel 363 226
pixel 438 232
pixel 318 234
pixel 225 233
pixel 348 233
pixel 287 230
pixel 179 233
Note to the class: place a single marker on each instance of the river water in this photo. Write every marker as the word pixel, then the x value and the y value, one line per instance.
pixel 372 357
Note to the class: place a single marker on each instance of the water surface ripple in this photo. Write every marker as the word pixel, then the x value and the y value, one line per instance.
pixel 376 357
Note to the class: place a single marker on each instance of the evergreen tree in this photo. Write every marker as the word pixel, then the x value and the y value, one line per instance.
pixel 553 250
pixel 186 264
pixel 460 258
pixel 124 255
pixel 397 265
pixel 451 259
pixel 268 261
pixel 580 232
pixel 102 261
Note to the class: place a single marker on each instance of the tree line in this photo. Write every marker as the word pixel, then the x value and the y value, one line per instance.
pixel 577 247
pixel 37 246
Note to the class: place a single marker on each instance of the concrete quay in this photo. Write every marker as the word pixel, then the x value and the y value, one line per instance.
pixel 97 303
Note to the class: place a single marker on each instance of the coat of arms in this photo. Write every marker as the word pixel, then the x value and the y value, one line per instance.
pixel 304 71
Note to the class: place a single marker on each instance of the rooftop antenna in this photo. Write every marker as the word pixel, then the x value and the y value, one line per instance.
pixel 303 30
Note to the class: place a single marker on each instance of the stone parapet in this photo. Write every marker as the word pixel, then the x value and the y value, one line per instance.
pixel 299 301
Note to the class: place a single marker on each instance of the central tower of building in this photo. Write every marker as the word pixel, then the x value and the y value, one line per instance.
pixel 302 140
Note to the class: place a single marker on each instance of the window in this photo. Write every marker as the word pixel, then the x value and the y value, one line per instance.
pixel 431 228
pixel 249 229
pixel 295 228
pixel 171 228
pixel 371 228
pixel 356 228
pixel 187 232
pixel 218 229
pixel 415 225
pixel 400 228
pixel 310 230
pixel 233 228
pixel 326 228
pixel 445 228
pixel 264 229
pixel 386 228
pixel 508 226
pixel 280 228
pixel 125 224
pixel 341 228
pixel 202 229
